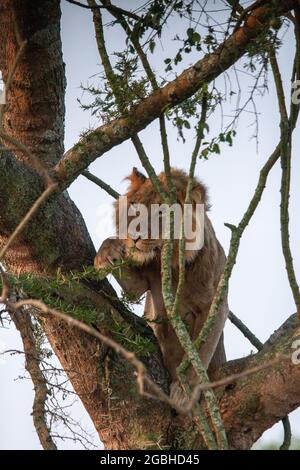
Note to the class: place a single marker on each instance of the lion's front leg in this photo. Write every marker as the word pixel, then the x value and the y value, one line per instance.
pixel 112 253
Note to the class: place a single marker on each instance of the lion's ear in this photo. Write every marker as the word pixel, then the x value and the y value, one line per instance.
pixel 136 179
pixel 199 194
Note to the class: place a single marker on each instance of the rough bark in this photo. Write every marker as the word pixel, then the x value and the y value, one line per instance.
pixel 35 110
pixel 255 403
pixel 57 237
pixel 34 115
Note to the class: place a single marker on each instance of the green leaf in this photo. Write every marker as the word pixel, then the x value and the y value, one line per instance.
pixel 190 32
pixel 229 138
pixel 216 148
pixel 205 152
pixel 178 58
pixel 196 37
pixel 152 46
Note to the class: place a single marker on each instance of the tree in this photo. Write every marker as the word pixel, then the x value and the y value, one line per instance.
pixel 48 286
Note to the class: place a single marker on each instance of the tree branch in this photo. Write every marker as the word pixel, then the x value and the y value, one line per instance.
pixel 23 324
pixel 245 330
pixel 101 184
pixel 113 8
pixel 259 346
pixel 191 80
pixel 257 403
pixel 244 418
pixel 152 79
pixel 172 302
pixel 286 130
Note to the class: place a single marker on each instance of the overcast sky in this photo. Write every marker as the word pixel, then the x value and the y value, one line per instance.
pixel 259 291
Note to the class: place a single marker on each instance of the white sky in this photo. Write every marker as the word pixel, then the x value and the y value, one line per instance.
pixel 259 291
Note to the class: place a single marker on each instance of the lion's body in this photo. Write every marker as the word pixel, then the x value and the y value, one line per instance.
pixel 203 271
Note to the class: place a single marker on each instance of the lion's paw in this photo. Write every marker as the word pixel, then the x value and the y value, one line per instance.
pixel 110 252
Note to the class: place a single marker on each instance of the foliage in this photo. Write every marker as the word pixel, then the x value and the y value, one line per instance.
pixel 202 37
pixel 126 78
pixel 68 294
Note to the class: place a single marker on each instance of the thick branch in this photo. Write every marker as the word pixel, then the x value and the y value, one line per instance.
pixel 45 243
pixel 253 405
pixel 205 70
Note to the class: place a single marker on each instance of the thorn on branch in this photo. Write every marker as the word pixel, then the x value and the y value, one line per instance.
pixel 231 227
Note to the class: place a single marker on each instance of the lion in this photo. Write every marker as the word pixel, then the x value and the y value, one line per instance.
pixel 204 267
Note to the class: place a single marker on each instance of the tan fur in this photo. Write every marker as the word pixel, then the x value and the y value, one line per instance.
pixel 203 270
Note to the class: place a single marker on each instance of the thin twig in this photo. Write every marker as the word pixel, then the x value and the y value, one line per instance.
pixel 112 8
pixel 110 75
pixel 286 155
pixel 149 168
pixel 245 330
pixel 172 304
pixel 40 310
pixel 152 79
pixel 237 233
pixel 101 184
pixel 287 434
pixel 232 378
pixel 142 377
pixel 24 326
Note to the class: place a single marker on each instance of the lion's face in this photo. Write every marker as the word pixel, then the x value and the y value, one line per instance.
pixel 135 215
